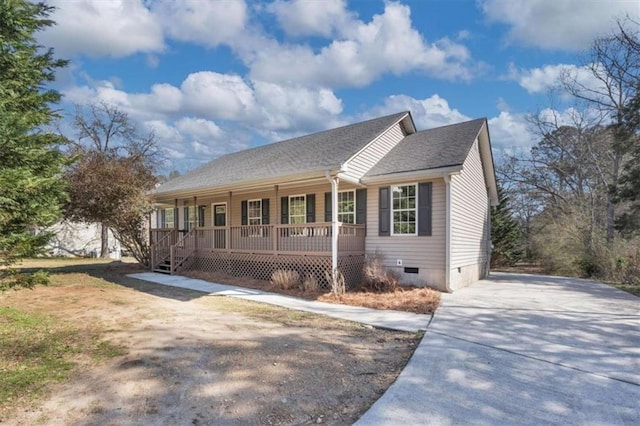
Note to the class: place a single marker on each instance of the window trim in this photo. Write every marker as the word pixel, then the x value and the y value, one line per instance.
pixel 213 214
pixel 392 210
pixel 259 217
pixel 304 216
pixel 166 224
pixel 353 213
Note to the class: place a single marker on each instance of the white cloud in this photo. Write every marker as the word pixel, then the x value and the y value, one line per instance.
pixel 215 95
pixel 561 24
pixel 115 28
pixel 309 18
pixel 363 53
pixel 427 113
pixel 510 132
pixel 271 109
pixel 549 78
pixel 208 23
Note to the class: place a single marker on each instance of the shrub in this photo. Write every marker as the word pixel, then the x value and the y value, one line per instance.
pixel 285 279
pixel 377 278
pixel 310 284
pixel 336 281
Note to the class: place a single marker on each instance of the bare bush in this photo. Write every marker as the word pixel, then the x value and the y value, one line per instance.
pixel 310 284
pixel 377 278
pixel 336 281
pixel 285 279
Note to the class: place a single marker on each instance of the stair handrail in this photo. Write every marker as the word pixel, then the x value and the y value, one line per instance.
pixel 181 242
pixel 157 244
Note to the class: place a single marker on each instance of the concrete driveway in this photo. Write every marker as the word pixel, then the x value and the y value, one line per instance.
pixel 523 349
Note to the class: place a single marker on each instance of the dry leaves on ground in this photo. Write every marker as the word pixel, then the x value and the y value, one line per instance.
pixel 418 300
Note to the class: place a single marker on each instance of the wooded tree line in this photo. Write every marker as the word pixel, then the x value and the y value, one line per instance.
pixel 576 194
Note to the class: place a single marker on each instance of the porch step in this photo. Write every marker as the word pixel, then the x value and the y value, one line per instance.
pixel 163 268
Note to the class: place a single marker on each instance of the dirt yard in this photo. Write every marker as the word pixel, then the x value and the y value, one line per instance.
pixel 197 359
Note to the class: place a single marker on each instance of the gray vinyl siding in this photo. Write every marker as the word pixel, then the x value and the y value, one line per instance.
pixel 424 252
pixel 470 232
pixel 363 161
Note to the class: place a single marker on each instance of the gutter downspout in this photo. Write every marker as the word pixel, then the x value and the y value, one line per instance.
pixel 447 262
pixel 334 221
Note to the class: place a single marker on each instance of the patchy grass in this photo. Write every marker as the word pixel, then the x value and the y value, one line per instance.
pixel 409 299
pixel 37 350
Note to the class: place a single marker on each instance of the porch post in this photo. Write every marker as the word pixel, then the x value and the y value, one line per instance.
pixel 334 224
pixel 176 221
pixel 229 224
pixel 195 222
pixel 276 222
pixel 152 251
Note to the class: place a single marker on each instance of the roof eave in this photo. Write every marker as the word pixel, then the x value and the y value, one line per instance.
pixel 246 185
pixel 413 174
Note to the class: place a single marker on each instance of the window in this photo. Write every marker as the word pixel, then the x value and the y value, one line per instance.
pixel 167 218
pixel 347 207
pixel 189 218
pixel 254 210
pixel 297 209
pixel 403 210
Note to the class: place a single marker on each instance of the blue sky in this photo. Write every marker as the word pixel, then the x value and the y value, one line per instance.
pixel 212 77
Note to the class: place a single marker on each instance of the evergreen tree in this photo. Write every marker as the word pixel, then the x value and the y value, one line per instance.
pixel 30 188
pixel 506 235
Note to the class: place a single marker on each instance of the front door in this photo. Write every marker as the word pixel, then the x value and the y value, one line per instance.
pixel 220 226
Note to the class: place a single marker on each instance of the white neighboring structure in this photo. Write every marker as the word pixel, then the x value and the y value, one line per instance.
pixel 80 239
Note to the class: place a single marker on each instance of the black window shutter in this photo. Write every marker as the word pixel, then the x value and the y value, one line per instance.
pixel 327 207
pixel 361 206
pixel 185 219
pixel 265 211
pixel 424 208
pixel 311 208
pixel 162 219
pixel 201 210
pixel 244 212
pixel 284 210
pixel 384 213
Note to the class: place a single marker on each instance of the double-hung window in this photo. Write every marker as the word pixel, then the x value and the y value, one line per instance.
pixel 297 209
pixel 167 218
pixel 403 210
pixel 254 212
pixel 347 207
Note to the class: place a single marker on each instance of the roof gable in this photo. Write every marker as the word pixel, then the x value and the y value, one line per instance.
pixel 436 148
pixel 316 152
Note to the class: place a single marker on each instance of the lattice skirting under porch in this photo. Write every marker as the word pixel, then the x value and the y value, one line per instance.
pixel 261 266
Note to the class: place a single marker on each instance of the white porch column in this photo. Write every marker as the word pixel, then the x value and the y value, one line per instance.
pixel 334 224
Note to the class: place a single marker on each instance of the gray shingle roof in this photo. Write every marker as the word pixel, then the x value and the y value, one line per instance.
pixel 430 149
pixel 323 150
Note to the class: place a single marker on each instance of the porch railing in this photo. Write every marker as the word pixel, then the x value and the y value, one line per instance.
pixel 310 238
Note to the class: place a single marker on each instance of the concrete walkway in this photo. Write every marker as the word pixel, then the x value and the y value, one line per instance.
pixel 523 349
pixel 392 320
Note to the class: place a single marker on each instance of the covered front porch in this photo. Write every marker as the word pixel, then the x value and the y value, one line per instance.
pixel 258 250
pixel 234 232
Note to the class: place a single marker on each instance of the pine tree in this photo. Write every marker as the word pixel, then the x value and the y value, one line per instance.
pixel 506 234
pixel 30 188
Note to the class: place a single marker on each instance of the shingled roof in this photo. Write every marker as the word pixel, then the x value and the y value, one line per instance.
pixel 315 152
pixel 430 149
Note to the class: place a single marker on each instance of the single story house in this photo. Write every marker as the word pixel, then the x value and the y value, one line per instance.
pixel 418 200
